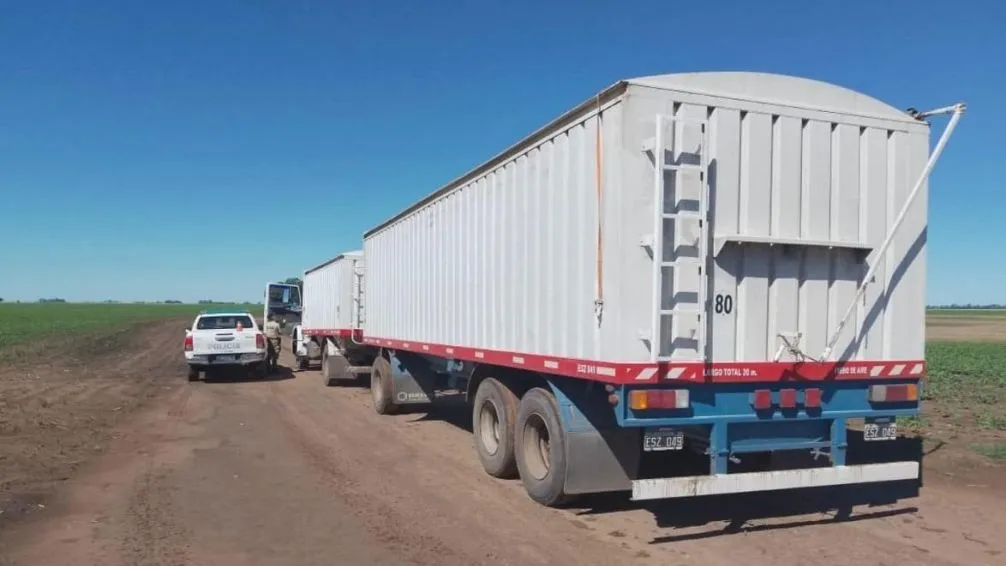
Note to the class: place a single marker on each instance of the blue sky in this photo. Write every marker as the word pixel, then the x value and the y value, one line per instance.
pixel 195 149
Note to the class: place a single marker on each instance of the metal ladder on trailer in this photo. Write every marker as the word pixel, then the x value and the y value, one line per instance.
pixel 679 151
pixel 357 317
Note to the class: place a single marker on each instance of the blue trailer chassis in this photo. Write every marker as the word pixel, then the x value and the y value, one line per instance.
pixel 602 436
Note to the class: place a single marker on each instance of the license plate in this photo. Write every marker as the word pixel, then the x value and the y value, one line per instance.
pixel 663 440
pixel 880 431
pixel 225 359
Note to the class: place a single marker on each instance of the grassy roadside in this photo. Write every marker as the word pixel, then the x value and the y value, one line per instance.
pixel 25 328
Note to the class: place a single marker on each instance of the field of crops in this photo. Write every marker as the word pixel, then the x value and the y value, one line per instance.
pixel 31 322
pixel 965 387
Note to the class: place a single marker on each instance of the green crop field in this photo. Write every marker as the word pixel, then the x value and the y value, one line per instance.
pixel 31 322
pixel 964 391
pixel 971 378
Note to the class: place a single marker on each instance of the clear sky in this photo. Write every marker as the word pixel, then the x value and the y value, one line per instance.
pixel 197 148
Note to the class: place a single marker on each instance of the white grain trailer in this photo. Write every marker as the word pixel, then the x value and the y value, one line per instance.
pixel 721 266
pixel 331 331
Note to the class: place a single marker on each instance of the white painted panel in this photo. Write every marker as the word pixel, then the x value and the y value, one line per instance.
pixel 507 259
pixel 725 187
pixel 329 292
pixel 784 296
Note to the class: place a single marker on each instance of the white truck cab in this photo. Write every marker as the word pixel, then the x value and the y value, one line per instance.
pixel 222 338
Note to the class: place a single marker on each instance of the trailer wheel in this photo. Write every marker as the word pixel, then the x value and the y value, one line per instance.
pixel 193 373
pixel 541 447
pixel 380 387
pixel 493 415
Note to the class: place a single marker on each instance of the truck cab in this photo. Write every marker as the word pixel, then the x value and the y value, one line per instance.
pixel 224 338
pixel 283 301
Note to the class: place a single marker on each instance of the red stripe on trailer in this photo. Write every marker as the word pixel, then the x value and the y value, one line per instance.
pixel 690 372
pixel 334 332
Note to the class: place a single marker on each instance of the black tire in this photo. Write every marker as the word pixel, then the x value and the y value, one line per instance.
pixel 193 373
pixel 540 445
pixel 494 413
pixel 381 387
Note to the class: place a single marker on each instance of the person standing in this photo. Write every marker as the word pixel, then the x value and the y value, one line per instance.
pixel 273 336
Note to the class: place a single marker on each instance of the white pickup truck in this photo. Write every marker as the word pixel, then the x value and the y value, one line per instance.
pixel 224 338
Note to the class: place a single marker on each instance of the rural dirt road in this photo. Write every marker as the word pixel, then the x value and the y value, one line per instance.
pixel 289 472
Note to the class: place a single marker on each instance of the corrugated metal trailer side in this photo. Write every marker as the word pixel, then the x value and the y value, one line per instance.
pixel 737 258
pixel 332 327
pixel 804 180
pixel 330 295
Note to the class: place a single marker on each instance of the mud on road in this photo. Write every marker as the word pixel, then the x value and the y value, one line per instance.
pixel 287 471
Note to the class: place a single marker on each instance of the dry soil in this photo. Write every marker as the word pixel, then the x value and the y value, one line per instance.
pixel 117 460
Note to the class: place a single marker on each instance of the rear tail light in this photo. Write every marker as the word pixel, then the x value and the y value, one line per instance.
pixel 188 344
pixel 787 398
pixel 812 397
pixel 894 393
pixel 762 399
pixel 259 341
pixel 642 399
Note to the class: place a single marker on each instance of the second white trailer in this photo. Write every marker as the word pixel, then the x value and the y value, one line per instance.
pixel 332 317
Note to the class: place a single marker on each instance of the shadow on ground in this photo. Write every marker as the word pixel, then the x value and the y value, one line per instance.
pixel 774 510
pixel 240 375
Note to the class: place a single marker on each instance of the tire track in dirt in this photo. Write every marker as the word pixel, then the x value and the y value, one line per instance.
pixel 436 453
pixel 292 472
pixel 387 476
pixel 61 415
pixel 152 538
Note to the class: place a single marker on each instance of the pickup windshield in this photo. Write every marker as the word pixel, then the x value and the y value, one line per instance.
pixel 223 322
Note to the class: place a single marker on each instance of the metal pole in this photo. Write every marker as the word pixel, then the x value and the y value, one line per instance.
pixel 958 111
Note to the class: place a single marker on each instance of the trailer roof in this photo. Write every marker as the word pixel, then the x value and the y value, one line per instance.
pixel 354 253
pixel 782 90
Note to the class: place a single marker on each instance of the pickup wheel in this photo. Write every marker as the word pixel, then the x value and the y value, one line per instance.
pixel 541 447
pixel 493 415
pixel 381 387
pixel 193 373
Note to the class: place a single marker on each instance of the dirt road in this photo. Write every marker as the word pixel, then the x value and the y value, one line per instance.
pixel 290 472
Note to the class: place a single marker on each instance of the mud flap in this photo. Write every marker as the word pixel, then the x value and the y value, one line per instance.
pixel 600 455
pixel 601 461
pixel 413 379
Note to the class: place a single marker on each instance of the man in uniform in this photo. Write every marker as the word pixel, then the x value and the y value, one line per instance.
pixel 272 334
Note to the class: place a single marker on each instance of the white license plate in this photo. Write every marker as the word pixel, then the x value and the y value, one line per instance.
pixel 663 440
pixel 223 359
pixel 880 431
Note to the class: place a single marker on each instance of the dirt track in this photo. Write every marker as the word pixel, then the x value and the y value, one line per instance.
pixel 291 472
